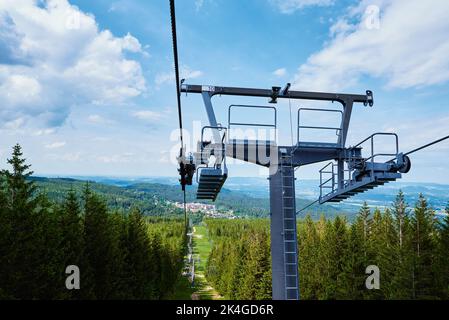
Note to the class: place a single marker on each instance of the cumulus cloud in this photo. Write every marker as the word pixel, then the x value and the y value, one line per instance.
pixel 185 72
pixel 404 43
pixel 54 56
pixel 97 119
pixel 199 4
pixel 290 6
pixel 55 145
pixel 148 115
pixel 280 72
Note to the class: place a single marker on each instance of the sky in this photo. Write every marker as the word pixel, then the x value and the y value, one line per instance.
pixel 87 87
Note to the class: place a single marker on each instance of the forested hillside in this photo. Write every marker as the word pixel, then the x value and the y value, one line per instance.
pixel 411 250
pixel 125 252
pixel 152 198
pixel 120 254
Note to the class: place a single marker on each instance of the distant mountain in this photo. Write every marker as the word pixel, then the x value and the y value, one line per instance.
pixel 150 194
pixel 251 194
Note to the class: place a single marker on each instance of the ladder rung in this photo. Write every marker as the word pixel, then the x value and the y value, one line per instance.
pixel 290 263
pixel 289 288
pixel 289 241
pixel 289 252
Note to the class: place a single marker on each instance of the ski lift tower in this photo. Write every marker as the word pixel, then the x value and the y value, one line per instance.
pixel 348 173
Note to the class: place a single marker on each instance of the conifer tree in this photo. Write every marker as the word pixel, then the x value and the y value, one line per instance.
pixel 5 236
pixel 364 222
pixel 120 268
pixel 354 266
pixel 156 269
pixel 139 255
pixel 24 230
pixel 402 281
pixel 70 224
pixel 423 229
pixel 309 245
pixel 97 249
pixel 443 254
pixel 401 216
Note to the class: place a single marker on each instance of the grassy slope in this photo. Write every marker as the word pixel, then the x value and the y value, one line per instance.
pixel 201 250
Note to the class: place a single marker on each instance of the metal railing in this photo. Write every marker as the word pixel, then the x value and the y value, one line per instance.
pixel 243 124
pixel 337 130
pixel 352 159
pixel 329 175
pixel 331 180
pixel 219 153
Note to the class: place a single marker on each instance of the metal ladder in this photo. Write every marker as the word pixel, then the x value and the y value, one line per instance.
pixel 289 221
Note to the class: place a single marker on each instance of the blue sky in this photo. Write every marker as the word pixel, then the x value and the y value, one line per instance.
pixel 87 86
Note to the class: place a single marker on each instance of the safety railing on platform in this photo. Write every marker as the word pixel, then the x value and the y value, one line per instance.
pixel 329 180
pixel 338 130
pixel 249 124
pixel 354 161
pixel 219 153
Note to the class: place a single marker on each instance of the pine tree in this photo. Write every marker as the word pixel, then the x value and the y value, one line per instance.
pixel 443 254
pixel 381 242
pixel 364 222
pixel 21 254
pixel 340 250
pixel 332 257
pixel 156 269
pixel 401 215
pixel 309 243
pixel 97 249
pixel 353 284
pixel 70 224
pixel 120 268
pixel 402 281
pixel 423 229
pixel 139 254
pixel 5 237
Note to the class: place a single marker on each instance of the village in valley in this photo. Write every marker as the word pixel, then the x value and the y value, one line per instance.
pixel 209 210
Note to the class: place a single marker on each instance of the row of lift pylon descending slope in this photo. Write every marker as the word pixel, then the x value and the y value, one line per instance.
pixel 351 170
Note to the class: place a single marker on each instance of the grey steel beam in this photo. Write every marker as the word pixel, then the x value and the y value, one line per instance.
pixel 305 95
pixel 345 122
pixel 211 115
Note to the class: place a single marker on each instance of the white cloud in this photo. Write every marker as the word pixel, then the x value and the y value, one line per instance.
pixel 199 4
pixel 43 132
pixel 55 145
pixel 14 124
pixel 97 119
pixel 70 157
pixel 185 72
pixel 54 56
pixel 148 115
pixel 280 72
pixel 410 47
pixel 290 6
pixel 116 158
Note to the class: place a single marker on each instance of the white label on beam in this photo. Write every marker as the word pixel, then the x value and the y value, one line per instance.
pixel 208 88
